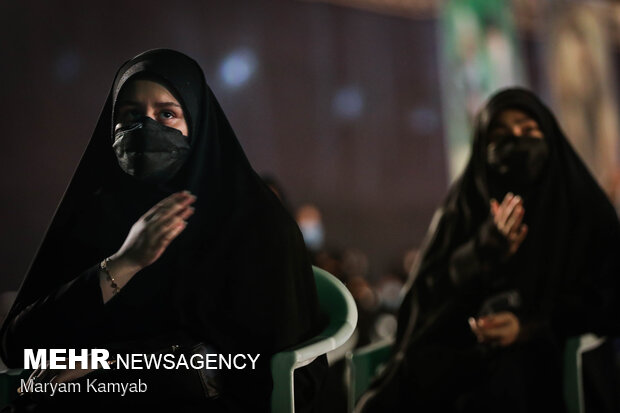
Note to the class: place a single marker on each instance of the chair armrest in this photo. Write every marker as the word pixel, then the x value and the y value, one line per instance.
pixel 363 365
pixel 573 376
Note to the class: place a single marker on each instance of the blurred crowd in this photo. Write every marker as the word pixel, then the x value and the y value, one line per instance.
pixel 378 295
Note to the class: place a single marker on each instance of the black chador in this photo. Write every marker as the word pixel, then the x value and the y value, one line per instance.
pixel 561 282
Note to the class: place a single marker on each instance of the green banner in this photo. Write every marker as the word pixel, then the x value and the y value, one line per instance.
pixel 479 55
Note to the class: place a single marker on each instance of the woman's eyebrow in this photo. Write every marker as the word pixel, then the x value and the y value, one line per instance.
pixel 498 125
pixel 163 104
pixel 521 121
pixel 157 104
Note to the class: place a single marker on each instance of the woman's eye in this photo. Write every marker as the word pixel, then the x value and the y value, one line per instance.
pixel 499 135
pixel 167 115
pixel 128 114
pixel 131 114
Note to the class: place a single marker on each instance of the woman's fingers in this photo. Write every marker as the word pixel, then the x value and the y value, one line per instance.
pixel 163 222
pixel 494 207
pixel 170 233
pixel 518 238
pixel 501 216
pixel 508 218
pixel 475 329
pixel 504 335
pixel 174 208
pixel 521 235
pixel 169 221
pixel 496 320
pixel 502 327
pixel 186 213
pixel 509 210
pixel 507 198
pixel 514 220
pixel 163 204
pixel 167 209
pixel 151 234
pixel 501 210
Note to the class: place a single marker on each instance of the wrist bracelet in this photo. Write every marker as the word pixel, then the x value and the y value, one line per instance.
pixel 109 277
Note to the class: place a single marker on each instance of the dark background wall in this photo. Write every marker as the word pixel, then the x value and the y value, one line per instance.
pixel 343 107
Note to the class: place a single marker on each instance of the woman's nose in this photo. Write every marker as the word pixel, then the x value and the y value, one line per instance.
pixel 151 114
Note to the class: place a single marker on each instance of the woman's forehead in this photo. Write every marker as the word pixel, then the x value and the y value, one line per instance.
pixel 136 88
pixel 511 116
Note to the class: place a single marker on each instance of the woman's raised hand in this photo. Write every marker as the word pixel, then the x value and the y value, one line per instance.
pixel 508 218
pixel 147 240
pixel 152 233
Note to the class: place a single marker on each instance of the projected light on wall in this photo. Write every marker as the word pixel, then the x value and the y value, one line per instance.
pixel 238 67
pixel 348 103
pixel 67 66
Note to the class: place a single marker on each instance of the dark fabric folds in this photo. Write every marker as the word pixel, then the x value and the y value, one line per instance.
pixel 566 272
pixel 238 278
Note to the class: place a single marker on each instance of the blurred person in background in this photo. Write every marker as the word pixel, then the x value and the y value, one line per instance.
pixel 389 289
pixel 355 270
pixel 522 255
pixel 309 219
pixel 351 268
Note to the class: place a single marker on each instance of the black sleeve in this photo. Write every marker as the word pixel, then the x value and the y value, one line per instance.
pixel 474 260
pixel 449 270
pixel 58 320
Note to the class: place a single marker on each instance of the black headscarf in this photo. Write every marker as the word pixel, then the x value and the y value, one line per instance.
pixel 238 278
pixel 566 270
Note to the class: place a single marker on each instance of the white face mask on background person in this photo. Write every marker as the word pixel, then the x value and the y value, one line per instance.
pixel 312 231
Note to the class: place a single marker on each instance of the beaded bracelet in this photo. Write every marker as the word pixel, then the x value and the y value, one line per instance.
pixel 109 277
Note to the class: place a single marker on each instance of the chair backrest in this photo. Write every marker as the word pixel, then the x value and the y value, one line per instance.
pixel 363 365
pixel 573 371
pixel 337 303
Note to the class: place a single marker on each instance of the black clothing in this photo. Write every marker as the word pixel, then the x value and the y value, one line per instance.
pixel 237 278
pixel 565 273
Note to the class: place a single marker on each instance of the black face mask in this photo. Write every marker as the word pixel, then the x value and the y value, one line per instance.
pixel 150 151
pixel 517 161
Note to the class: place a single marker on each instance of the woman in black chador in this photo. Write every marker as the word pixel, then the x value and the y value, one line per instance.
pixel 167 241
pixel 522 254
